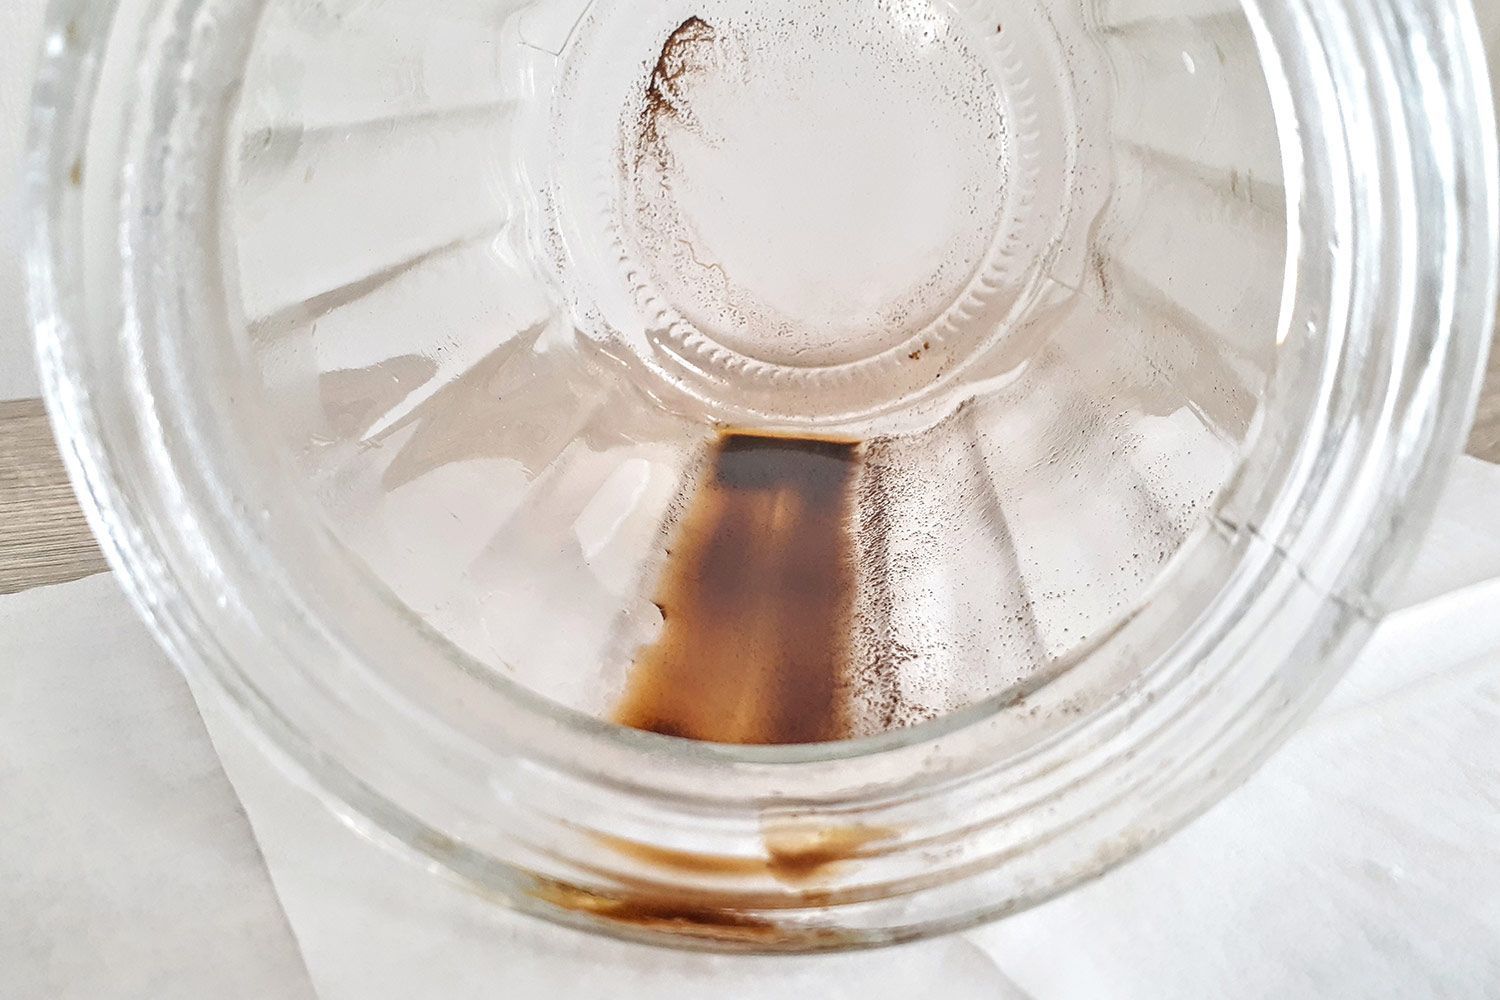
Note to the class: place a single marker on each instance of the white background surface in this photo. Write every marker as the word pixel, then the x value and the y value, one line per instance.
pixel 126 866
pixel 1364 861
pixel 20 37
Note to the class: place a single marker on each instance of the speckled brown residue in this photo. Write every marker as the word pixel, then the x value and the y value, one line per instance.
pixel 757 599
pixel 687 50
pixel 1099 266
pixel 876 674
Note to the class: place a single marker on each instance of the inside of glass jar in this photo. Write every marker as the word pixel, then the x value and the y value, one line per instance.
pixel 761 370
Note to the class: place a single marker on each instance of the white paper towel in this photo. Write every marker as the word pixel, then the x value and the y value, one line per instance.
pixel 1362 861
pixel 127 869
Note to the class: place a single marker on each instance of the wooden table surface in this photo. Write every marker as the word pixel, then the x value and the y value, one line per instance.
pixel 44 538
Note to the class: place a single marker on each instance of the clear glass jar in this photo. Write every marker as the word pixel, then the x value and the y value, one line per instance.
pixel 1239 259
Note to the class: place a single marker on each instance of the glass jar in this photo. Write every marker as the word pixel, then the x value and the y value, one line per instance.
pixel 386 345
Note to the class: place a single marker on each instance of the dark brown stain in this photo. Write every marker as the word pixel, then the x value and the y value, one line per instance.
pixel 757 598
pixel 687 50
pixel 663 913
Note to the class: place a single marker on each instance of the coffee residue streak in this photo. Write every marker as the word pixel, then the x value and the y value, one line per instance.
pixel 757 599
pixel 796 854
pixel 687 50
pixel 663 913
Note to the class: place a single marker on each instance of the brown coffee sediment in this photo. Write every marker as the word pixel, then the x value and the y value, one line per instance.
pixel 758 603
pixel 667 913
pixel 757 598
pixel 687 50
pixel 797 855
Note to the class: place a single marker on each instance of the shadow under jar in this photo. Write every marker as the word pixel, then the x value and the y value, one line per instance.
pixel 759 474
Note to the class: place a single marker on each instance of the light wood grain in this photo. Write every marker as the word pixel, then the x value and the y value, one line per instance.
pixel 1484 439
pixel 44 538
